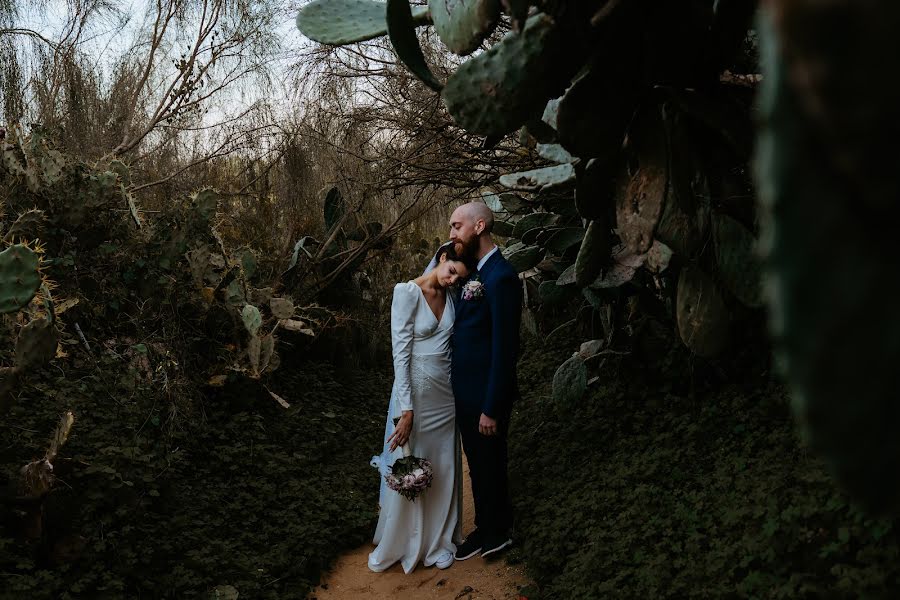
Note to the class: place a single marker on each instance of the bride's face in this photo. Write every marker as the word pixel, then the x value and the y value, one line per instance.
pixel 450 271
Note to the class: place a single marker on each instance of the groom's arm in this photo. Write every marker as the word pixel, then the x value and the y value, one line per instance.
pixel 505 303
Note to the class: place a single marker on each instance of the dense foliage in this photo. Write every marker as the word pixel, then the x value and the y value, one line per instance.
pixel 672 482
pixel 193 461
pixel 253 497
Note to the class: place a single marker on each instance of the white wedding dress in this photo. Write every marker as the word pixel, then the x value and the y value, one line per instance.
pixel 424 529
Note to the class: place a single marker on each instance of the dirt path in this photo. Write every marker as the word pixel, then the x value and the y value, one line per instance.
pixel 473 579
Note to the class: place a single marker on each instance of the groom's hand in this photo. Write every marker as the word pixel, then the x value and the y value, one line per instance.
pixel 487 425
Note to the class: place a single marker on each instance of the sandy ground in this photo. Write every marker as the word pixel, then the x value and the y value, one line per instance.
pixel 473 579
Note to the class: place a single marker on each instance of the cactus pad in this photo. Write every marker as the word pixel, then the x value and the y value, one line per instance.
pixel 254 347
pixel 503 228
pixel 20 277
pixel 569 383
pixel 282 308
pixel 622 270
pixel 402 33
pixel 532 221
pixel 703 320
pixel 684 221
pixel 339 22
pixel 830 262
pixel 495 92
pixel 539 179
pixel 36 344
pixel 513 203
pixel 563 239
pixel 736 258
pixel 205 202
pixel 551 294
pixel 525 258
pixel 567 277
pixel 593 254
pixel 595 189
pixel 266 351
pixel 462 25
pixel 27 227
pixel 251 318
pixel 593 115
pixel 641 195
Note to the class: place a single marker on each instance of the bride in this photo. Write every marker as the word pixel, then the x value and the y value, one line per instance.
pixel 422 315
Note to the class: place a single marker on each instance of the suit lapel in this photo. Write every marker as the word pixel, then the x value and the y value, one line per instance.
pixel 482 274
pixel 495 258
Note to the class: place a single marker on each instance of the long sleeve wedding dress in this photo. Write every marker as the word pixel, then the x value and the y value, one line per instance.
pixel 424 529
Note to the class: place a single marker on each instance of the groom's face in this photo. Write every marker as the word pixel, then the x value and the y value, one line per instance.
pixel 464 232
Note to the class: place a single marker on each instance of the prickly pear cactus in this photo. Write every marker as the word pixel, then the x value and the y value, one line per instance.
pixel 703 319
pixel 205 202
pixel 642 194
pixel 402 33
pixel 36 344
pixel 338 22
pixel 831 271
pixel 251 318
pixel 463 24
pixel 525 258
pixel 496 91
pixel 684 222
pixel 20 277
pixel 736 259
pixel 570 382
pixel 27 226
pixel 593 254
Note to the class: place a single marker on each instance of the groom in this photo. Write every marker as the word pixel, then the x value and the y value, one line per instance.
pixel 483 373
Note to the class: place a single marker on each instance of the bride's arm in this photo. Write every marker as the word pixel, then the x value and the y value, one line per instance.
pixel 403 316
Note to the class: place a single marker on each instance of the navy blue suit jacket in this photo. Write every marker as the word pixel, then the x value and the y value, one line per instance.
pixel 486 343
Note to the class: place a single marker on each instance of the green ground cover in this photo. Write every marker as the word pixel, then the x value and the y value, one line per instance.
pixel 253 496
pixel 649 489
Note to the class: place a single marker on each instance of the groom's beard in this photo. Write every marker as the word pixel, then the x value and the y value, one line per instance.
pixel 467 248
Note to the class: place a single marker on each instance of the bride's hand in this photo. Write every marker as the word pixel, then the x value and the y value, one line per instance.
pixel 401 430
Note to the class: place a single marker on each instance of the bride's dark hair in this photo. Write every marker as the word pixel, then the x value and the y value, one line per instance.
pixel 449 250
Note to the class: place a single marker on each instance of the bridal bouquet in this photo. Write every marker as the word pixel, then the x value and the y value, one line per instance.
pixel 410 476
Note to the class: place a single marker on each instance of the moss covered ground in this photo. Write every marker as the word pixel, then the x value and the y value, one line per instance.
pixel 670 479
pixel 244 494
pixel 679 481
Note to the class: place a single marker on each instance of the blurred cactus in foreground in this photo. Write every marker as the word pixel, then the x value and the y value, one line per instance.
pixel 828 184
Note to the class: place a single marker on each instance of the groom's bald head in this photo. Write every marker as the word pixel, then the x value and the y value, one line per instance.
pixel 470 227
pixel 473 212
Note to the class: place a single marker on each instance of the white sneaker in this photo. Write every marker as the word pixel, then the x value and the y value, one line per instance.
pixel 444 560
